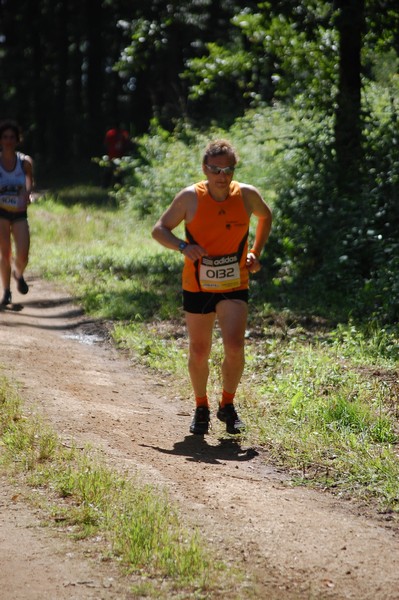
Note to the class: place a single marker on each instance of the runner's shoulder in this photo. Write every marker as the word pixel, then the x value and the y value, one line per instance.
pixel 249 189
pixel 186 195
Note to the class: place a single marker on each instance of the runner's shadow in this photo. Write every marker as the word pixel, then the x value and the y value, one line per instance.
pixel 15 307
pixel 196 449
pixel 52 302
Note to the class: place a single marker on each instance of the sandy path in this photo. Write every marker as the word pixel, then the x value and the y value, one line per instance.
pixel 293 543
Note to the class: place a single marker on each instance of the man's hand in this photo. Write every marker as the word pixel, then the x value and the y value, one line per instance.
pixel 252 263
pixel 194 252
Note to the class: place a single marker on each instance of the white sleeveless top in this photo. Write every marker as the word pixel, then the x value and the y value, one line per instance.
pixel 12 186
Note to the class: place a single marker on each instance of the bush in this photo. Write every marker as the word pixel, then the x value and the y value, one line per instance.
pixel 166 163
pixel 342 250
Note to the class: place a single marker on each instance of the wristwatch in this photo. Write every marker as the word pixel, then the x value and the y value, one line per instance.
pixel 182 246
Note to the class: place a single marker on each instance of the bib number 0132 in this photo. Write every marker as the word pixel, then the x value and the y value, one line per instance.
pixel 219 273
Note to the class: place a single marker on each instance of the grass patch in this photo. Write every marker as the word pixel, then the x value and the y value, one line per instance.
pixel 320 415
pixel 107 259
pixel 141 527
pixel 164 351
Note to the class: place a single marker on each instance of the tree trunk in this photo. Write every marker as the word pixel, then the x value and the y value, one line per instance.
pixel 348 121
pixel 95 74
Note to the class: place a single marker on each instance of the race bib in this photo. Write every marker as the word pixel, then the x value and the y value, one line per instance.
pixel 219 273
pixel 11 200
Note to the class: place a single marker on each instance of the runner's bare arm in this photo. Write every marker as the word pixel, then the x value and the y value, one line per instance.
pixel 181 209
pixel 28 170
pixel 258 207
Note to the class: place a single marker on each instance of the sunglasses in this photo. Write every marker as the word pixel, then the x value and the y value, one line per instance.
pixel 217 170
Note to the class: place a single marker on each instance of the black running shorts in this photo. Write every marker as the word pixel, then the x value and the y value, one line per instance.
pixel 203 303
pixel 13 216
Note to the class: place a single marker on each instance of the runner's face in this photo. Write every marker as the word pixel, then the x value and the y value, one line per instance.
pixel 8 139
pixel 220 180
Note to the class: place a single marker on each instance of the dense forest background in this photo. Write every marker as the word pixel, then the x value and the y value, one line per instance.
pixel 71 69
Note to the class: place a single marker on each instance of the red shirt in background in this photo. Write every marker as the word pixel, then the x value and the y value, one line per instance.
pixel 116 142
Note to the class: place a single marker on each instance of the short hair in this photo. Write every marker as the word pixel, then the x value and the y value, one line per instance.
pixel 219 147
pixel 13 125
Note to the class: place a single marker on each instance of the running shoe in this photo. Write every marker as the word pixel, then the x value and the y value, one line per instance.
pixel 6 298
pixel 22 286
pixel 200 422
pixel 228 415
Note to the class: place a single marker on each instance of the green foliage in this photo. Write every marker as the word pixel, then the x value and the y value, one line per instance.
pixel 167 163
pixel 19 432
pixel 152 346
pixel 274 56
pixel 307 239
pixel 371 340
pixel 381 218
pixel 163 37
pixel 221 82
pixel 301 58
pixel 10 405
pixel 341 248
pixel 316 412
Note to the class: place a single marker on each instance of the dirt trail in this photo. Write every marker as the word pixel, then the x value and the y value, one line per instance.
pixel 294 543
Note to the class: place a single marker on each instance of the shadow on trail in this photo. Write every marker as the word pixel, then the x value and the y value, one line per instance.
pixel 196 449
pixel 72 321
pixel 51 303
pixel 72 316
pixel 14 307
pixel 45 304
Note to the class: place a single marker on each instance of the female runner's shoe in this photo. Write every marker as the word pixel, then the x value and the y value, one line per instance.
pixel 6 298
pixel 22 286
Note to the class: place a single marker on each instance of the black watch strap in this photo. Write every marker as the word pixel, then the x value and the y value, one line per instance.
pixel 182 246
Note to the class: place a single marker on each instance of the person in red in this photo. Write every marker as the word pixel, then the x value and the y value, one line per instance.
pixel 116 142
pixel 217 262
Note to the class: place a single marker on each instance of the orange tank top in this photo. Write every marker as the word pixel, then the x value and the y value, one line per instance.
pixel 222 229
